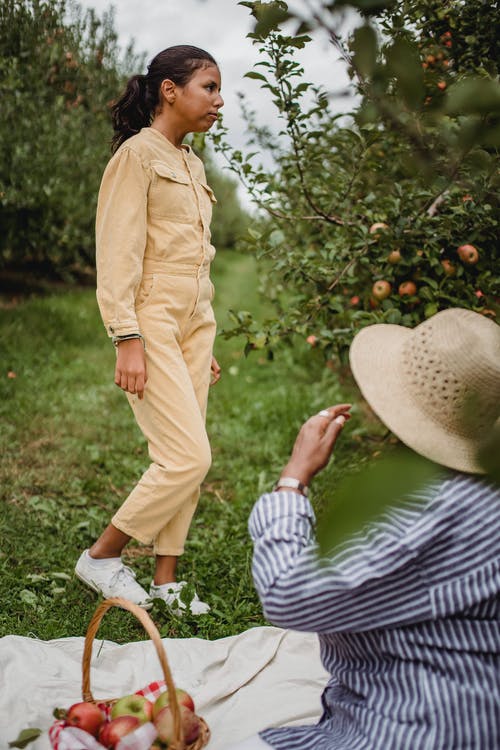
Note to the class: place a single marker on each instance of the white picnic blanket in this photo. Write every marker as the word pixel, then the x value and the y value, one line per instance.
pixel 262 677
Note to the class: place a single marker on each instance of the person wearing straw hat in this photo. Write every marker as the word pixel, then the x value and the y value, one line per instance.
pixel 408 611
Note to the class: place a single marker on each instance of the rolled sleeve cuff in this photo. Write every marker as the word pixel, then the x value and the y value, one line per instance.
pixel 274 506
pixel 122 328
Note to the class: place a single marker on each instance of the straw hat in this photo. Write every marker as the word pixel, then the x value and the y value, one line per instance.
pixel 436 386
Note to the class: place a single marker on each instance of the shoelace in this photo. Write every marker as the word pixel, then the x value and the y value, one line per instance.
pixel 123 572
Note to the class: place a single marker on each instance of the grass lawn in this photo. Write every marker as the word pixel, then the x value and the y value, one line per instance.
pixel 71 452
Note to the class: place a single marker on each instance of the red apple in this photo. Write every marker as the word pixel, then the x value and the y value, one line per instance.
pixel 394 256
pixel 112 732
pixel 183 699
pixel 312 339
pixel 468 254
pixel 381 289
pixel 133 705
pixel 448 267
pixel 354 300
pixel 407 288
pixel 164 724
pixel 86 716
pixel 441 85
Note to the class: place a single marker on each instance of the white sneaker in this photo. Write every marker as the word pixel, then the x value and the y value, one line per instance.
pixel 170 594
pixel 112 579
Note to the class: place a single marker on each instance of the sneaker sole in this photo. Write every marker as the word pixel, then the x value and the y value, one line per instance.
pixel 92 585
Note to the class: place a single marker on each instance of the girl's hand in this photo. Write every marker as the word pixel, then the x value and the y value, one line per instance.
pixel 215 371
pixel 130 371
pixel 315 441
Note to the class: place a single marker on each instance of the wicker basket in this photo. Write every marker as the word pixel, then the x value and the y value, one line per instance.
pixel 151 629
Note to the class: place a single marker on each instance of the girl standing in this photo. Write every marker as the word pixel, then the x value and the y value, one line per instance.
pixel 154 292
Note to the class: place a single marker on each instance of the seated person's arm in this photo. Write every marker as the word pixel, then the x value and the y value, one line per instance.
pixel 369 584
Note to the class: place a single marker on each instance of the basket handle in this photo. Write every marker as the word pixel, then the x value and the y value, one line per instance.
pixel 153 633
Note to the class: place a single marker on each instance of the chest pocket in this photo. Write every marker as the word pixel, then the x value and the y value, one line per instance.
pixel 171 194
pixel 207 200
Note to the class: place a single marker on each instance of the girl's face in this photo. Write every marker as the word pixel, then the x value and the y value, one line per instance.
pixel 198 102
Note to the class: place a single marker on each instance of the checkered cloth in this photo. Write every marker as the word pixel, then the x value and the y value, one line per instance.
pixel 72 738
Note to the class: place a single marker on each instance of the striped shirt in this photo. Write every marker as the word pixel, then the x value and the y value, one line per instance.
pixel 407 613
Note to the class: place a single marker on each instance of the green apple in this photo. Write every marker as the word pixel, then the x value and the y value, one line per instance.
pixel 133 705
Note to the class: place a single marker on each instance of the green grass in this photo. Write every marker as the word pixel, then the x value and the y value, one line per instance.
pixel 71 452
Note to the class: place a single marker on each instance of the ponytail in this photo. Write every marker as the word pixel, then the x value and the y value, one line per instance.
pixel 132 111
pixel 135 108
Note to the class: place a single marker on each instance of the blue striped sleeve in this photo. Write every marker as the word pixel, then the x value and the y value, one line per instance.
pixel 383 577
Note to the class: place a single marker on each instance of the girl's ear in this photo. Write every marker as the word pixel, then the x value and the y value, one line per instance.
pixel 167 90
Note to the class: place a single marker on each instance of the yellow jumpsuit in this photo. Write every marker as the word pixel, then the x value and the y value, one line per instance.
pixel 153 254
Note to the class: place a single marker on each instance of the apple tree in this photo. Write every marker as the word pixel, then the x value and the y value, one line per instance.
pixel 59 68
pixel 388 211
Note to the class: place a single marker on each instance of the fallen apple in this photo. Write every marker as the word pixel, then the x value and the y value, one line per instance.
pixel 381 289
pixel 133 705
pixel 190 724
pixel 86 716
pixel 468 254
pixel 407 288
pixel 183 699
pixel 112 732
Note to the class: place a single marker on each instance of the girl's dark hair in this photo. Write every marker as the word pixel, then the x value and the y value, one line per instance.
pixel 134 109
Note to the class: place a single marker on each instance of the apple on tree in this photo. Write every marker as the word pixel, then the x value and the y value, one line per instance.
pixel 407 288
pixel 448 267
pixel 377 227
pixel 468 254
pixel 394 256
pixel 133 705
pixel 381 289
pixel 86 716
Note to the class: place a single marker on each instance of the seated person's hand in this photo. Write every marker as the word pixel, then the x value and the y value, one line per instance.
pixel 315 441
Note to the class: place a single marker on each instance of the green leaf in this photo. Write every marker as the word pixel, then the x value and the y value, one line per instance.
pixel 29 597
pixel 364 46
pixel 489 455
pixel 25 737
pixel 269 16
pixel 255 75
pixel 403 62
pixel 361 497
pixel 474 95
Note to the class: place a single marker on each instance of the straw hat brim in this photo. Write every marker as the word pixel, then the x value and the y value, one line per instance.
pixel 376 357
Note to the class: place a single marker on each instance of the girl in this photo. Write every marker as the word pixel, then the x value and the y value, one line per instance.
pixel 153 255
